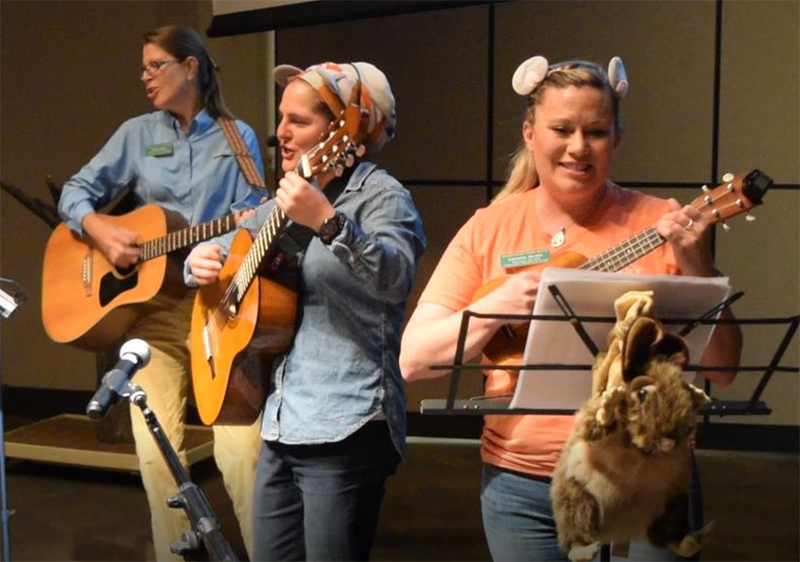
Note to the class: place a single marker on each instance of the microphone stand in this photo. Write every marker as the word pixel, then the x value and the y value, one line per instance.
pixel 8 304
pixel 205 541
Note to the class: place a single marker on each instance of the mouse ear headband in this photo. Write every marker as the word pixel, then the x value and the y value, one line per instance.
pixel 533 71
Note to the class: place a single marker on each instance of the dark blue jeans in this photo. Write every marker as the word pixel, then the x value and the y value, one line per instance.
pixel 519 525
pixel 321 502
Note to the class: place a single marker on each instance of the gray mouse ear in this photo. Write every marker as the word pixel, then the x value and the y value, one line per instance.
pixel 618 77
pixel 529 74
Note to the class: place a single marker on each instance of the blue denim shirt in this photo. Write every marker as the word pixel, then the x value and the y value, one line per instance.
pixel 342 369
pixel 194 174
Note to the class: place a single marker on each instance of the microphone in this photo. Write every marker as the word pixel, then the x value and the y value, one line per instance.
pixel 272 141
pixel 133 355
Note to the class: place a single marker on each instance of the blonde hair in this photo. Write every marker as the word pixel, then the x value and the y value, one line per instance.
pixel 522 174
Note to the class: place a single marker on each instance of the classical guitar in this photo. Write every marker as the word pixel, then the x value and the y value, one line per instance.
pixel 737 195
pixel 241 323
pixel 88 302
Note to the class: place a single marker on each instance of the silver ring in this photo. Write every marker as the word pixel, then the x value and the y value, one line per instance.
pixel 690 225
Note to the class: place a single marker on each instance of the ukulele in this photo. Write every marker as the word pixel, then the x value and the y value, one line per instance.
pixel 88 302
pixel 737 195
pixel 241 323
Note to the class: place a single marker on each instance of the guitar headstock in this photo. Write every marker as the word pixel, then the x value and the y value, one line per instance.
pixel 341 143
pixel 737 195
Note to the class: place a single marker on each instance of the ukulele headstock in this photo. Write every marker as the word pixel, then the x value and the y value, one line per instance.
pixel 737 195
pixel 341 143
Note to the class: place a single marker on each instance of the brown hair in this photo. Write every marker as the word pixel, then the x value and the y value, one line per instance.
pixel 183 42
pixel 522 174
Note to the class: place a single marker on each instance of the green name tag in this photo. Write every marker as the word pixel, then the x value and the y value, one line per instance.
pixel 510 261
pixel 163 149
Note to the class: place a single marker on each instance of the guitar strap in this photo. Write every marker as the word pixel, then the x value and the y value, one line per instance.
pixel 243 157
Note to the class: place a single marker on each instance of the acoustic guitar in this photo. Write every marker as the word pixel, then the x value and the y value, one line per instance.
pixel 241 323
pixel 89 303
pixel 737 195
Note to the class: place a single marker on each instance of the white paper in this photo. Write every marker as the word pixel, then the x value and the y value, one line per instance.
pixel 592 293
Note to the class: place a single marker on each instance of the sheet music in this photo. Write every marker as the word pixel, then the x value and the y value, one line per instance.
pixel 592 293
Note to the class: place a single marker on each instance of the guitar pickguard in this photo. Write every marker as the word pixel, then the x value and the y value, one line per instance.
pixel 111 286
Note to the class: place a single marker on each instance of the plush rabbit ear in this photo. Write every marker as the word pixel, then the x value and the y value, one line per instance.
pixel 529 75
pixel 618 77
pixel 646 340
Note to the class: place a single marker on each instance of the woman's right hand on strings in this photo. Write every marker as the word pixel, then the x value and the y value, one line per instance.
pixel 205 262
pixel 515 296
pixel 431 334
pixel 119 245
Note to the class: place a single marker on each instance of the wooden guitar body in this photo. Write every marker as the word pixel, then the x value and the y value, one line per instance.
pixel 232 350
pixel 88 302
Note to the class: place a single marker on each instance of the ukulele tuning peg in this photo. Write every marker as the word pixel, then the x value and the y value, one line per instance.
pixel 727 177
pixel 705 189
pixel 749 218
pixel 725 227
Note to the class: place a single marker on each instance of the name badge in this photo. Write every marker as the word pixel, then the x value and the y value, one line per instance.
pixel 510 261
pixel 163 149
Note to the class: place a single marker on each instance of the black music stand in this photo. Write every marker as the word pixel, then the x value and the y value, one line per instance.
pixel 500 405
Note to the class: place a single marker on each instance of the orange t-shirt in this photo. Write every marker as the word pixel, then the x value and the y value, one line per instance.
pixel 532 444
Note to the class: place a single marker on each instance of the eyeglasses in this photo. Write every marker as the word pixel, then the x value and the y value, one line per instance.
pixel 154 66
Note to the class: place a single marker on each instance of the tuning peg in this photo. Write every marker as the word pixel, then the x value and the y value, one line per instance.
pixel 345 139
pixel 725 227
pixel 339 170
pixel 705 189
pixel 749 218
pixel 361 150
pixel 727 177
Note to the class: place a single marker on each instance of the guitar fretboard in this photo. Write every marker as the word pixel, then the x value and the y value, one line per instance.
pixel 626 252
pixel 262 245
pixel 186 237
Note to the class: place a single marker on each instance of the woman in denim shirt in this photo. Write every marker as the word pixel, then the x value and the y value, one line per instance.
pixel 334 425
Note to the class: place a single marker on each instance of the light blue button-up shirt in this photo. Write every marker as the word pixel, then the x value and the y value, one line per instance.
pixel 342 369
pixel 194 174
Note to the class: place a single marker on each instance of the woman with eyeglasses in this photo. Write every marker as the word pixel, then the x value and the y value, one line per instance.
pixel 177 157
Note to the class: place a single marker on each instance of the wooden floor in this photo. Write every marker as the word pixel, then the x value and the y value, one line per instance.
pixel 431 510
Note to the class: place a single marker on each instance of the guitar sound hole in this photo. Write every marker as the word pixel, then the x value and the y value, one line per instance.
pixel 111 286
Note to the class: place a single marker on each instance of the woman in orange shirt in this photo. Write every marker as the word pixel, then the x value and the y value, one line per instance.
pixel 558 197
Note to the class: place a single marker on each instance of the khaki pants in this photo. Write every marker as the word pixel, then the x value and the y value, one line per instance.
pixel 166 382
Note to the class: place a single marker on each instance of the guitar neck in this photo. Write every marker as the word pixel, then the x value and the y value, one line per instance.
pixel 186 237
pixel 626 252
pixel 263 244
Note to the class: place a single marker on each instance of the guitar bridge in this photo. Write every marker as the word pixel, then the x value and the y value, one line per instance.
pixel 207 343
pixel 86 273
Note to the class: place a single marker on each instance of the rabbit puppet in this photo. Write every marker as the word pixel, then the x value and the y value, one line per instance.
pixel 625 471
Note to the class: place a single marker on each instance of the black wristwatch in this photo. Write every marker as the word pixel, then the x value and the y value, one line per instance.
pixel 331 228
